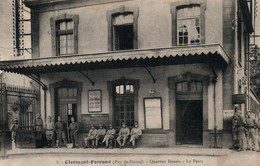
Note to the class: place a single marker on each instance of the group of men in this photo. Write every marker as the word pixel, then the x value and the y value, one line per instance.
pixel 94 135
pixel 244 131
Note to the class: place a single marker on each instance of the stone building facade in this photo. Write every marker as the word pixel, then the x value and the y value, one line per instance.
pixel 173 66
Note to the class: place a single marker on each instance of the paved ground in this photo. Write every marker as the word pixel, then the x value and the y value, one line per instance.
pixel 132 157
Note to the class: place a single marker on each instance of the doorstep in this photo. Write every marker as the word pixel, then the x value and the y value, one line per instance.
pixel 190 151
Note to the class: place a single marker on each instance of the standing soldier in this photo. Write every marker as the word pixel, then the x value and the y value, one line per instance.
pixel 14 129
pixel 49 131
pixel 38 127
pixel 252 125
pixel 241 131
pixel 91 137
pixel 74 128
pixel 234 130
pixel 109 136
pixel 60 128
pixel 123 135
pixel 101 132
pixel 136 132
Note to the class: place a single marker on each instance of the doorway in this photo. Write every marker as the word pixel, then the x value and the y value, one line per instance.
pixel 66 104
pixel 189 122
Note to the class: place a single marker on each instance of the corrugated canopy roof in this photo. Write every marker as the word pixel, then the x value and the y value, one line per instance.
pixel 119 59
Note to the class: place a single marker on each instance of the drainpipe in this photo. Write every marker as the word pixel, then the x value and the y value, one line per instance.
pixel 45 106
pixel 214 81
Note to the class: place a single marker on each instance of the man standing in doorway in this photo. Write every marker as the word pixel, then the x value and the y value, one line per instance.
pixel 38 127
pixel 60 128
pixel 241 131
pixel 123 135
pixel 73 129
pixel 14 129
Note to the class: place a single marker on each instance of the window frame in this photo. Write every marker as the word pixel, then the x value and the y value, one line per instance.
pixel 175 6
pixel 53 22
pixel 119 11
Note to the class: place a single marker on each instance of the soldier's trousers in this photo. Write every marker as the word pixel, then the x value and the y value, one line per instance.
pixel 38 138
pixel 61 137
pixel 242 139
pixel 235 139
pixel 90 138
pixel 253 144
pixel 74 138
pixel 121 137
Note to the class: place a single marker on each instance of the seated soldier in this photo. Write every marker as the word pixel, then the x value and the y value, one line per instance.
pixel 100 134
pixel 136 132
pixel 109 136
pixel 123 135
pixel 91 137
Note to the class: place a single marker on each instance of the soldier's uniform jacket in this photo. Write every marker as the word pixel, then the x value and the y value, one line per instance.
pixel 49 126
pixel 111 132
pixel 92 132
pixel 234 122
pixel 74 126
pixel 14 129
pixel 241 122
pixel 101 131
pixel 38 124
pixel 251 122
pixel 136 131
pixel 124 131
pixel 60 126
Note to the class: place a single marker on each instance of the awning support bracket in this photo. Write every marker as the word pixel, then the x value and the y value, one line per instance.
pixel 36 79
pixel 150 73
pixel 92 82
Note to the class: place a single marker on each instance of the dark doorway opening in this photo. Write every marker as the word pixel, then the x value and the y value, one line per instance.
pixel 123 37
pixel 66 104
pixel 189 122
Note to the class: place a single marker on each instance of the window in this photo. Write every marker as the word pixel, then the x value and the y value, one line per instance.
pixel 188 26
pixel 188 22
pixel 122 28
pixel 124 105
pixel 193 86
pixel 123 32
pixel 64 32
pixel 65 38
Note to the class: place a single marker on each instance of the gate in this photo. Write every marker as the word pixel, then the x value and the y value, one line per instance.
pixel 20 103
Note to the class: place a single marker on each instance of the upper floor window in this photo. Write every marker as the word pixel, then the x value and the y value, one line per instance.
pixel 123 28
pixel 64 37
pixel 64 32
pixel 188 26
pixel 123 32
pixel 188 22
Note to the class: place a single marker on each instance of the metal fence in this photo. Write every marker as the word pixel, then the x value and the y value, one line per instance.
pixel 20 103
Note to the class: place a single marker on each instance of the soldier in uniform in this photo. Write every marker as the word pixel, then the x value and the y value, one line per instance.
pixel 101 132
pixel 14 129
pixel 123 135
pixel 241 131
pixel 74 128
pixel 136 132
pixel 49 131
pixel 234 130
pixel 38 127
pixel 60 128
pixel 252 125
pixel 109 136
pixel 91 137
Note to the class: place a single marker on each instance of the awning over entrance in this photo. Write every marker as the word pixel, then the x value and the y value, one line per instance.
pixel 119 59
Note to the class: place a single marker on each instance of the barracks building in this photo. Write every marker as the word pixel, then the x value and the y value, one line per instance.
pixel 177 67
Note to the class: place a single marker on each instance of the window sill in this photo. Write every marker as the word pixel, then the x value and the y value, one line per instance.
pixel 155 131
